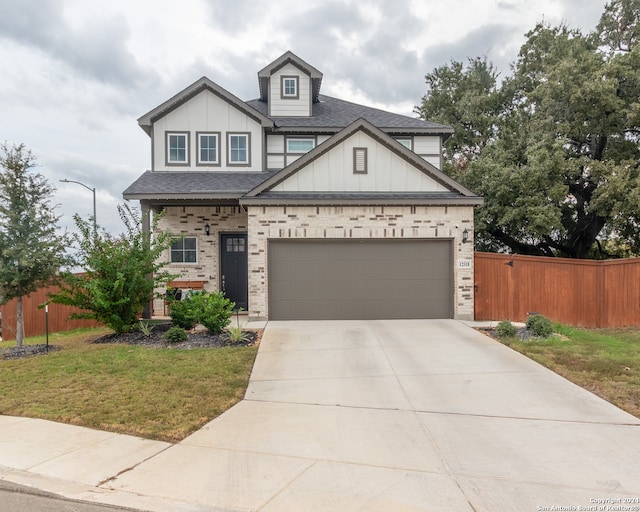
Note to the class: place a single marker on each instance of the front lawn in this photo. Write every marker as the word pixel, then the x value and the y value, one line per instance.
pixel 156 393
pixel 603 361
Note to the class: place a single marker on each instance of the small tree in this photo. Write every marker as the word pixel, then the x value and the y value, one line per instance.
pixel 31 248
pixel 121 272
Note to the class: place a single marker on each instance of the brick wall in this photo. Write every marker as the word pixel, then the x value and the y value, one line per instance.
pixel 267 222
pixel 190 221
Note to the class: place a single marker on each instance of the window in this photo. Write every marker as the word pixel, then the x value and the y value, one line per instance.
pixel 238 149
pixel 289 86
pixel 178 148
pixel 184 250
pixel 235 245
pixel 208 148
pixel 407 142
pixel 300 145
pixel 359 160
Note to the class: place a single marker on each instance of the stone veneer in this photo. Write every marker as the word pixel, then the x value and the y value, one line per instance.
pixel 265 222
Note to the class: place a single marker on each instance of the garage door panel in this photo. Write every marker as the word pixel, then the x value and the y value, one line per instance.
pixel 336 279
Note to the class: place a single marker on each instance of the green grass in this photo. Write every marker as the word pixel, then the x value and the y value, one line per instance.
pixel 604 361
pixel 156 393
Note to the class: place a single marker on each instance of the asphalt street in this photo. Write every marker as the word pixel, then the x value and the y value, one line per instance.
pixel 15 497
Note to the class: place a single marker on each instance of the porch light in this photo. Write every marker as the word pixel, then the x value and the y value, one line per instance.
pixel 207 229
pixel 465 236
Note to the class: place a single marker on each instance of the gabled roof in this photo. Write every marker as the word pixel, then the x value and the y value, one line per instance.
pixel 289 58
pixel 330 115
pixel 457 194
pixel 203 84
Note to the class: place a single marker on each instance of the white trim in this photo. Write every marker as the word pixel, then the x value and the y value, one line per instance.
pixel 169 160
pixel 294 80
pixel 247 138
pixel 183 250
pixel 199 136
pixel 300 139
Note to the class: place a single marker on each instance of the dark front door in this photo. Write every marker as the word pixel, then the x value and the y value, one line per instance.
pixel 233 268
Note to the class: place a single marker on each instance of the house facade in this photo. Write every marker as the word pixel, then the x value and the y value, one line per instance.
pixel 302 206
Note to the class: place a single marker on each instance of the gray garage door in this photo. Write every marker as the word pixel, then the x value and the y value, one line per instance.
pixel 360 279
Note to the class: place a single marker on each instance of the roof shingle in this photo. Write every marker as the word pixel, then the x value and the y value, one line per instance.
pixel 335 113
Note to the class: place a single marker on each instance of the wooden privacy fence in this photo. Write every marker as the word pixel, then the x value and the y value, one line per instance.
pixel 34 318
pixel 583 293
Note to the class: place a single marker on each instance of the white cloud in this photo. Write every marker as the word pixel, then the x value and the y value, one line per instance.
pixel 77 74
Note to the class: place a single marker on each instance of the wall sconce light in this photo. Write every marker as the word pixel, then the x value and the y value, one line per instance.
pixel 465 236
pixel 207 229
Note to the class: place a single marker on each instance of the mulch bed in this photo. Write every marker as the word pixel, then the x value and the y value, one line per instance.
pixel 195 339
pixel 26 351
pixel 522 332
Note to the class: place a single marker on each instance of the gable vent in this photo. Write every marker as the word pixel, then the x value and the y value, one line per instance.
pixel 360 160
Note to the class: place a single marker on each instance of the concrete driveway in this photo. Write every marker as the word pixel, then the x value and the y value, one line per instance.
pixel 400 415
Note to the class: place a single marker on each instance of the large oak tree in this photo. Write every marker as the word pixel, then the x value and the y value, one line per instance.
pixel 553 148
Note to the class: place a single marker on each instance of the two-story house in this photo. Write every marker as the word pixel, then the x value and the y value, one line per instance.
pixel 303 206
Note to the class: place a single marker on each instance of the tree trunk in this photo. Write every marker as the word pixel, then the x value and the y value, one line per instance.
pixel 19 322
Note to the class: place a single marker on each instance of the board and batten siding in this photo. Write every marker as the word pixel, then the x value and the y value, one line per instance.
pixel 429 148
pixel 206 112
pixel 290 107
pixel 333 172
pixel 426 146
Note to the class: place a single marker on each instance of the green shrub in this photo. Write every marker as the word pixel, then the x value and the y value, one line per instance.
pixel 175 334
pixel 212 310
pixel 115 286
pixel 185 313
pixel 539 325
pixel 506 329
pixel 216 311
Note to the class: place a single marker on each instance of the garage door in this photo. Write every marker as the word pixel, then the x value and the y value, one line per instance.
pixel 360 279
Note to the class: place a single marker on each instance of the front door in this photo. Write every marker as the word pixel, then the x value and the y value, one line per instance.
pixel 233 268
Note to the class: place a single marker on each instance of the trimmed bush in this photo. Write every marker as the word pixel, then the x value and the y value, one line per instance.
pixel 540 326
pixel 506 329
pixel 175 335
pixel 212 310
pixel 216 311
pixel 185 313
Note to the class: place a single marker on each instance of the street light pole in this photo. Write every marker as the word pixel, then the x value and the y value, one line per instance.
pixel 95 225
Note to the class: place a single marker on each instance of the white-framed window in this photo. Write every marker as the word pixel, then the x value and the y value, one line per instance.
pixel 177 148
pixel 208 148
pixel 289 87
pixel 407 142
pixel 300 145
pixel 359 160
pixel 184 250
pixel 238 149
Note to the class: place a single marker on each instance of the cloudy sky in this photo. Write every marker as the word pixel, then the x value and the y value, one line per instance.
pixel 77 74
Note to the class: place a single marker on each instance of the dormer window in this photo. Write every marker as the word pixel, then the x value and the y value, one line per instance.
pixel 289 87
